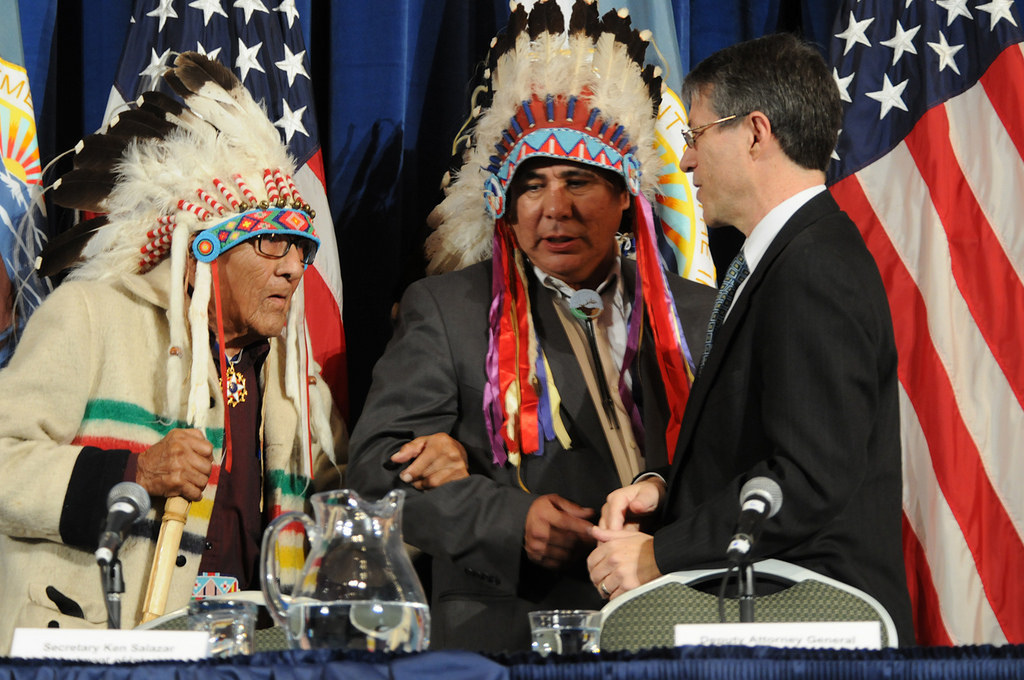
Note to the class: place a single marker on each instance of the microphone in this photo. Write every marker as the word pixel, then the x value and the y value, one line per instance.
pixel 760 498
pixel 126 503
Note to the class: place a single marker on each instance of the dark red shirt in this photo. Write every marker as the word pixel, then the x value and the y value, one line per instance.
pixel 236 524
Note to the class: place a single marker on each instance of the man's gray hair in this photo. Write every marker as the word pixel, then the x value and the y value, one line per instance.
pixel 784 78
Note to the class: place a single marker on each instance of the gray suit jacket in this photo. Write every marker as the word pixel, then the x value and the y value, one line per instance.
pixel 431 379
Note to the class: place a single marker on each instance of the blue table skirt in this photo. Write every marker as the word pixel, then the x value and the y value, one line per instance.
pixel 741 663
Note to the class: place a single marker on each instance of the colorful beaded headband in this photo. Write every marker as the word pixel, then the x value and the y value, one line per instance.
pixel 558 127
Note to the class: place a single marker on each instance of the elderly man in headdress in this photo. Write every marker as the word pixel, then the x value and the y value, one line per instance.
pixel 174 356
pixel 525 387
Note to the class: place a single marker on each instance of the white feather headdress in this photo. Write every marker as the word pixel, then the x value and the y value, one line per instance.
pixel 170 179
pixel 582 94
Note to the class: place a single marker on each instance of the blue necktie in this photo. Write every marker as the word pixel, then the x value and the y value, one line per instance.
pixel 733 278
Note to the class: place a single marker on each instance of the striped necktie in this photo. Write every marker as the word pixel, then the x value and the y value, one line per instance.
pixel 733 278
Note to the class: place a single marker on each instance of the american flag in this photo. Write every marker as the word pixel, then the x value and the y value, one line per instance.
pixel 929 165
pixel 262 43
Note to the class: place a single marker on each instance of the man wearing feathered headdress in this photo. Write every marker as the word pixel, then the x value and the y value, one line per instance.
pixel 525 387
pixel 175 356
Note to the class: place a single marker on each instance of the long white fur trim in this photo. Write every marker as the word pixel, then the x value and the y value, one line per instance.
pixel 198 316
pixel 176 319
pixel 320 412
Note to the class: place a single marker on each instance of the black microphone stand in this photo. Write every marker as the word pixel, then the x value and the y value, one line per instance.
pixel 113 588
pixel 745 576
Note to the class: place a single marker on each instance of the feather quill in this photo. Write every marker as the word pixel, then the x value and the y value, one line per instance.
pixel 99 152
pixel 84 189
pixel 63 250
pixel 138 123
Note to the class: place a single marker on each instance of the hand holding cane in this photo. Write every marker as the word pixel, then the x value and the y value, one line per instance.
pixel 188 449
pixel 171 529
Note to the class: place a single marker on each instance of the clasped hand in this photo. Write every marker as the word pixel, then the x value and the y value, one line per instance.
pixel 178 465
pixel 556 530
pixel 624 556
pixel 436 459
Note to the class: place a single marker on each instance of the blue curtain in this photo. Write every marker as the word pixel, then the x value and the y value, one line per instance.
pixel 391 82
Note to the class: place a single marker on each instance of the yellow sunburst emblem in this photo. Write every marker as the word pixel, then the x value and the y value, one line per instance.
pixel 17 125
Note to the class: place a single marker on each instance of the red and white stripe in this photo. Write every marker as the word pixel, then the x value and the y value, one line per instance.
pixel 322 285
pixel 941 213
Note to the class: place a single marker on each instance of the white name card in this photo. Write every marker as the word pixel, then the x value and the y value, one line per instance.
pixel 109 646
pixel 812 635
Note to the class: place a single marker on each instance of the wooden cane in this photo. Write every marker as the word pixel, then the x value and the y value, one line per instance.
pixel 171 527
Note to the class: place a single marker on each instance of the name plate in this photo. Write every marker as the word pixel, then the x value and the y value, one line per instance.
pixel 810 635
pixel 109 646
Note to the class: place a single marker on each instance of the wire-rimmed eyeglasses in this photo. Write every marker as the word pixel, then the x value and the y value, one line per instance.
pixel 276 246
pixel 690 135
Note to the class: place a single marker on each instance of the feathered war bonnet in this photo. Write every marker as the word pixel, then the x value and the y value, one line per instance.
pixel 205 176
pixel 583 95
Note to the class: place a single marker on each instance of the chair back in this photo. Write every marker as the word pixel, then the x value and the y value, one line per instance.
pixel 646 616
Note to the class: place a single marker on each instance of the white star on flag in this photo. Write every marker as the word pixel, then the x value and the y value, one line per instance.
pixel 947 53
pixel 157 65
pixel 248 59
pixel 164 12
pixel 209 7
pixel 291 121
pixel 998 10
pixel 854 33
pixel 902 42
pixel 889 96
pixel 954 9
pixel 288 9
pixel 250 6
pixel 212 54
pixel 843 84
pixel 292 65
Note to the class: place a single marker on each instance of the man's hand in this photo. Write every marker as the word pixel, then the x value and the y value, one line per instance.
pixel 177 465
pixel 436 460
pixel 555 529
pixel 623 506
pixel 623 560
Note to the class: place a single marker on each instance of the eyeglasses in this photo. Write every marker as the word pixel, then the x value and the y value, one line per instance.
pixel 690 135
pixel 276 246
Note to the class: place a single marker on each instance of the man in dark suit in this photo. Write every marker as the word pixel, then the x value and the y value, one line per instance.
pixel 799 379
pixel 506 540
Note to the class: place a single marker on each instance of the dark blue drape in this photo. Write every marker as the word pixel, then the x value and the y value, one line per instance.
pixel 693 663
pixel 390 78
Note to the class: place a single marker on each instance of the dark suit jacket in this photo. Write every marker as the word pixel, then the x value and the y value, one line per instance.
pixel 800 386
pixel 431 379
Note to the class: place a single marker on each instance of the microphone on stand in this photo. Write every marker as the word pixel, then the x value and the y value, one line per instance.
pixel 126 503
pixel 760 499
